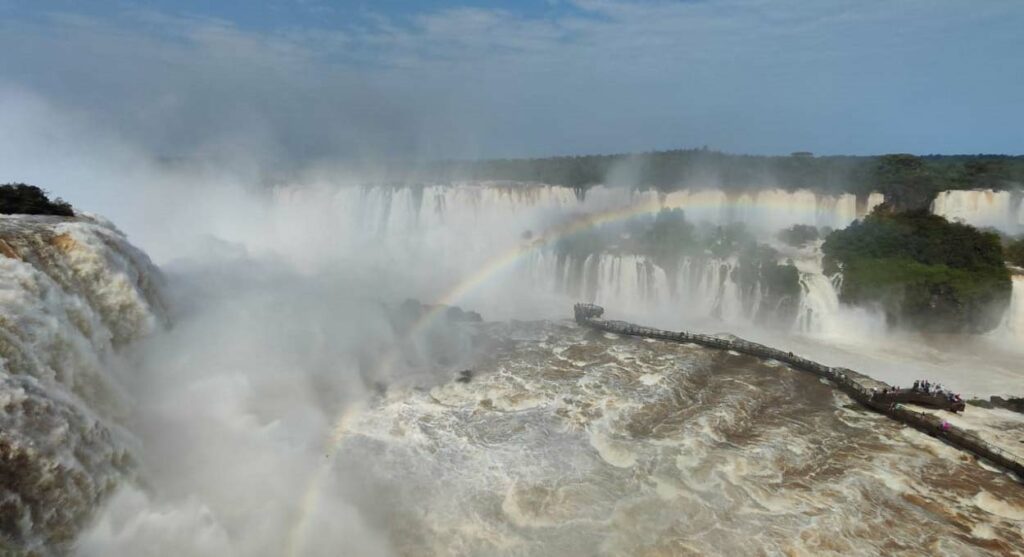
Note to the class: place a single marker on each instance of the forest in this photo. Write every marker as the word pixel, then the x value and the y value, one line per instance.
pixel 908 181
pixel 922 270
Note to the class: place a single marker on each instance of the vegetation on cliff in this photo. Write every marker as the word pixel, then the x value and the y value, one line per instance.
pixel 1014 251
pixel 925 272
pixel 800 235
pixel 908 181
pixel 23 199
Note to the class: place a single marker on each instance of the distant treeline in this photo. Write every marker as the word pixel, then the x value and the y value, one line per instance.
pixel 909 181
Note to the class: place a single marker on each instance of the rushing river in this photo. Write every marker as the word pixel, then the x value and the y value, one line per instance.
pixel 570 441
pixel 287 410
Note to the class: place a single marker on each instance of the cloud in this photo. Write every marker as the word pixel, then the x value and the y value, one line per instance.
pixel 591 75
pixel 203 86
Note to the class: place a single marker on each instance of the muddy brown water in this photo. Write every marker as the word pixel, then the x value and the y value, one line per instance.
pixel 574 442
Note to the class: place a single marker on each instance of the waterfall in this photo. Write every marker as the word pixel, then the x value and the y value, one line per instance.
pixel 706 286
pixel 388 210
pixel 819 303
pixel 72 292
pixel 1012 327
pixel 444 233
pixel 1003 210
pixel 772 209
pixel 630 282
pixel 697 287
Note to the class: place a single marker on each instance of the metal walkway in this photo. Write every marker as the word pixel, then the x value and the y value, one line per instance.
pixel 857 385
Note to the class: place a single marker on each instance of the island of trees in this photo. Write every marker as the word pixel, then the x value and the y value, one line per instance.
pixel 923 271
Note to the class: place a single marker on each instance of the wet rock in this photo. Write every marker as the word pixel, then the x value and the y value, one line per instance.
pixel 1015 404
pixel 456 314
pixel 412 311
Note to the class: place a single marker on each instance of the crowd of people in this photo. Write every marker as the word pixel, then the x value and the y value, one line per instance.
pixel 927 387
pixel 922 386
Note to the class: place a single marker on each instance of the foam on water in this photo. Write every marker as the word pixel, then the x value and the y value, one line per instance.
pixel 72 291
pixel 999 507
pixel 606 461
pixel 564 441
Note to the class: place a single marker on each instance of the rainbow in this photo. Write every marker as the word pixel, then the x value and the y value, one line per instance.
pixel 584 222
pixel 494 266
pixel 491 268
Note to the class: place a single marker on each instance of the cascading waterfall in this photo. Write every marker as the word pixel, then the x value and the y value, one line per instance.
pixel 72 291
pixel 696 287
pixel 707 286
pixel 819 302
pixel 628 281
pixel 448 232
pixel 485 215
pixel 773 209
pixel 1013 323
pixel 1003 210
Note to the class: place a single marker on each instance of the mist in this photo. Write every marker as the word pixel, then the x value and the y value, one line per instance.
pixel 234 408
pixel 270 175
pixel 276 332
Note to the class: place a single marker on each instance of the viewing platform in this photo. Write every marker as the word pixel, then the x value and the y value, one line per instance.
pixel 876 395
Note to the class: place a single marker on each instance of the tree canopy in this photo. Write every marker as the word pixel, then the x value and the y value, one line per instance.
pixel 1014 250
pixel 909 181
pixel 24 199
pixel 923 270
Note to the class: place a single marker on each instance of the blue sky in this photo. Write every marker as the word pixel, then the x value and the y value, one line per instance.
pixel 276 14
pixel 310 79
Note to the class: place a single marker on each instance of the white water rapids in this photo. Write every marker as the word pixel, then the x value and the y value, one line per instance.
pixel 224 417
pixel 71 293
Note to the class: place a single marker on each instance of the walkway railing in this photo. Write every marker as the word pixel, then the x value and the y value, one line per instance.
pixel 856 385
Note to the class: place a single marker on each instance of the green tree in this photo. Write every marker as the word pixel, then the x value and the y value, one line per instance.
pixel 799 235
pixel 923 270
pixel 1014 251
pixel 985 173
pixel 908 184
pixel 31 200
